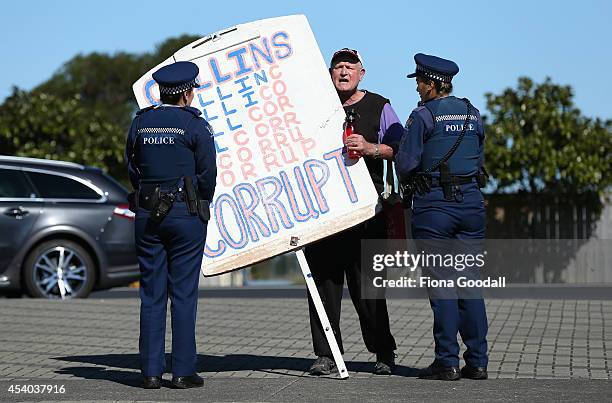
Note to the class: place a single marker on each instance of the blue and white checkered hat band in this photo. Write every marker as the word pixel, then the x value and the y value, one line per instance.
pixel 434 75
pixel 179 88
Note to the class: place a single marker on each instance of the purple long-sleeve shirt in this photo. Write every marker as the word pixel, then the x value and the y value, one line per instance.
pixel 391 129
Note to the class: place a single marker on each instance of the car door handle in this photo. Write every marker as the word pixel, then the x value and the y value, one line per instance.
pixel 15 212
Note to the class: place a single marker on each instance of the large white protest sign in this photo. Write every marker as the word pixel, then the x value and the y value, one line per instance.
pixel 283 180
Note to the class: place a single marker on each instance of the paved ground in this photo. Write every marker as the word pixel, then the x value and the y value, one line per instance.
pixel 257 349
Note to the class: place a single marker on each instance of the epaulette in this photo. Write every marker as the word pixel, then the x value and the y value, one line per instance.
pixel 144 110
pixel 196 112
pixel 425 113
pixel 419 108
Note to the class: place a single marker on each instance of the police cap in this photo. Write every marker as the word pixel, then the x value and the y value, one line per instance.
pixel 434 68
pixel 177 77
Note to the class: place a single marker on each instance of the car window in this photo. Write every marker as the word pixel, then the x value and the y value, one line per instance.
pixel 51 186
pixel 14 184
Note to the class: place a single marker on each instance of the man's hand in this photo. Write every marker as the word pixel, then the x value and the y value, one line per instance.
pixel 356 142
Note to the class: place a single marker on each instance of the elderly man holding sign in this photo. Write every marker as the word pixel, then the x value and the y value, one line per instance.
pixel 375 126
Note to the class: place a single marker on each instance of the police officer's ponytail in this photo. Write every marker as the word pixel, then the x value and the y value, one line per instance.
pixel 170 99
pixel 443 88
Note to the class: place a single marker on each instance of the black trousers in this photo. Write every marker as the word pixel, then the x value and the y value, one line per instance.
pixel 329 260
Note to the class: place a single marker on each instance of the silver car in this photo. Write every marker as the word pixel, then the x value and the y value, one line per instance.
pixel 65 229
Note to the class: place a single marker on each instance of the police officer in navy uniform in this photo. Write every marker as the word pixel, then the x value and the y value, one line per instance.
pixel 170 151
pixel 440 159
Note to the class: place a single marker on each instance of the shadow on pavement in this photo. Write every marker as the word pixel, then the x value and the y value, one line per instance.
pixel 128 378
pixel 108 366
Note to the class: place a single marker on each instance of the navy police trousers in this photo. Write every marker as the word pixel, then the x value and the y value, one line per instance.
pixel 434 218
pixel 170 256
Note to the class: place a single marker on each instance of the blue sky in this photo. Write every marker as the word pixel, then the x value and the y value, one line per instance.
pixel 493 42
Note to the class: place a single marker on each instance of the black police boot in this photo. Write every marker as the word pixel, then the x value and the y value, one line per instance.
pixel 385 363
pixel 477 373
pixel 151 382
pixel 186 382
pixel 322 366
pixel 441 373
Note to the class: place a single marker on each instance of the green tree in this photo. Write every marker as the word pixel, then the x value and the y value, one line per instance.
pixel 539 142
pixel 167 48
pixel 104 82
pixel 41 125
pixel 83 111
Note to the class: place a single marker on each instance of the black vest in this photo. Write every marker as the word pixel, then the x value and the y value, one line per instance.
pixel 369 110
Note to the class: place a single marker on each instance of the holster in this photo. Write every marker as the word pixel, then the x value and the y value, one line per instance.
pixel 446 181
pixel 482 177
pixel 148 196
pixel 204 209
pixel 416 183
pixel 161 209
pixel 191 196
pixel 407 193
pixel 133 200
pixel 157 202
pixel 195 205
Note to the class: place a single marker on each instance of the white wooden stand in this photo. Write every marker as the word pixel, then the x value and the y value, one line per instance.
pixel 329 333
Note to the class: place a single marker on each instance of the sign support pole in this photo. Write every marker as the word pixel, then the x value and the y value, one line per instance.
pixel 316 298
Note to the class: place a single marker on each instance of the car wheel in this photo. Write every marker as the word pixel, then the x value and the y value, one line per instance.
pixel 59 269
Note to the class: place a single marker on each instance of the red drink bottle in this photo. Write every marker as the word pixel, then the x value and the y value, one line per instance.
pixel 349 128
